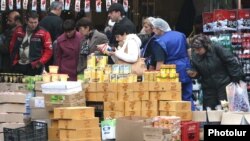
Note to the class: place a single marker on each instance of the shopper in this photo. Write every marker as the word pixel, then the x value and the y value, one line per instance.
pixel 170 47
pixel 30 47
pixel 67 50
pixel 14 20
pixel 147 37
pixel 128 49
pixel 216 67
pixel 92 38
pixel 53 24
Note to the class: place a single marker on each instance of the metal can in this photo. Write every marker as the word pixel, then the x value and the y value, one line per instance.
pixel 91 60
pixel 115 69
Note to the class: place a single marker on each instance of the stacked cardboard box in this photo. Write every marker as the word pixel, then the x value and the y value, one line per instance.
pixel 38 88
pixel 12 108
pixel 74 123
pixel 136 99
pixel 63 94
pixel 176 108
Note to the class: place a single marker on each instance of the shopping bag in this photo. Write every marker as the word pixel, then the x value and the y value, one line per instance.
pixel 238 97
pixel 139 67
pixel 108 129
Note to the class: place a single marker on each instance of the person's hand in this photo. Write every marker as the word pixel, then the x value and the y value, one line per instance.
pixel 102 47
pixel 36 64
pixel 110 53
pixel 192 73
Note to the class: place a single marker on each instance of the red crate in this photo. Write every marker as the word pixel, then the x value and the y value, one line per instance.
pixel 190 131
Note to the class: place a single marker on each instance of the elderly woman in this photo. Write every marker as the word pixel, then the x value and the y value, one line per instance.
pixel 216 66
pixel 147 38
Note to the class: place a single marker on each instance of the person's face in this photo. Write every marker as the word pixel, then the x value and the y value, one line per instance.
pixel 84 30
pixel 32 23
pixel 157 31
pixel 147 28
pixel 200 51
pixel 120 38
pixel 114 16
pixel 59 11
pixel 11 20
pixel 70 34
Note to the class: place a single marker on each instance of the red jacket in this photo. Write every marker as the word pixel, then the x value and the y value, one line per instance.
pixel 40 45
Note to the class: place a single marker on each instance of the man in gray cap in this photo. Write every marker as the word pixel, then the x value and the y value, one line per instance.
pixel 53 24
pixel 116 13
pixel 170 47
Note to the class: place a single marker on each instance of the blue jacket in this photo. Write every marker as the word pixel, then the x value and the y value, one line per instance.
pixel 175 47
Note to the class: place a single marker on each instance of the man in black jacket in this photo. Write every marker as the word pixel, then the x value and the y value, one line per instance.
pixel 53 24
pixel 116 13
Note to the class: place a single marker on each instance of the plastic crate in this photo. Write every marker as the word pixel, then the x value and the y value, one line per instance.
pixel 35 131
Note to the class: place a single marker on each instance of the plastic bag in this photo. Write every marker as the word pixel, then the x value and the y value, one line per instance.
pixel 238 97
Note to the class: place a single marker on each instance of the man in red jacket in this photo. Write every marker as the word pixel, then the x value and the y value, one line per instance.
pixel 30 47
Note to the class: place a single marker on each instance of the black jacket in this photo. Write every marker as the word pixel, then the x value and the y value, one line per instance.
pixel 53 24
pixel 217 67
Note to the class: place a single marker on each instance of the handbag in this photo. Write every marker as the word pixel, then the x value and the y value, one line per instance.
pixel 138 68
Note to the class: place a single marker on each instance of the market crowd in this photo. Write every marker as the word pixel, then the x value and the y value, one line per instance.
pixel 29 48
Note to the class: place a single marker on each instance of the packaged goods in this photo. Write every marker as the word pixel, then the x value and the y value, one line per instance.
pixel 53 69
pixel 91 60
pixel 115 69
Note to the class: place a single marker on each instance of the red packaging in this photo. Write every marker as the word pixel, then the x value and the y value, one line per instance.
pixel 225 20
pixel 190 131
pixel 207 21
pixel 243 19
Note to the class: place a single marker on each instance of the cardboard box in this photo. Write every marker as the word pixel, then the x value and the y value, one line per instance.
pixel 125 96
pixel 37 102
pixel 184 115
pixel 77 113
pixel 106 96
pixel 175 106
pixel 214 117
pixel 133 113
pixel 235 118
pixel 89 139
pixel 13 98
pixel 149 113
pixel 156 134
pixel 10 125
pixel 64 98
pixel 141 95
pixel 106 87
pixel 54 123
pixel 11 117
pixel 50 106
pixel 114 106
pixel 38 85
pixel 39 113
pixel 149 105
pixel 91 87
pixel 12 108
pixel 170 95
pixel 140 86
pixel 79 124
pixel 39 94
pixel 53 133
pixel 133 105
pixel 13 87
pixel 121 87
pixel 112 114
pixel 164 86
pixel 91 96
pixel 80 133
pixel 130 128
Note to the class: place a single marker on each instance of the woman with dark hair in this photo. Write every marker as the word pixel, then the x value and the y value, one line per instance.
pixel 216 66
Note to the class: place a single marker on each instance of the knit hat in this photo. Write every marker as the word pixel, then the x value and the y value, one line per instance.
pixel 161 24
